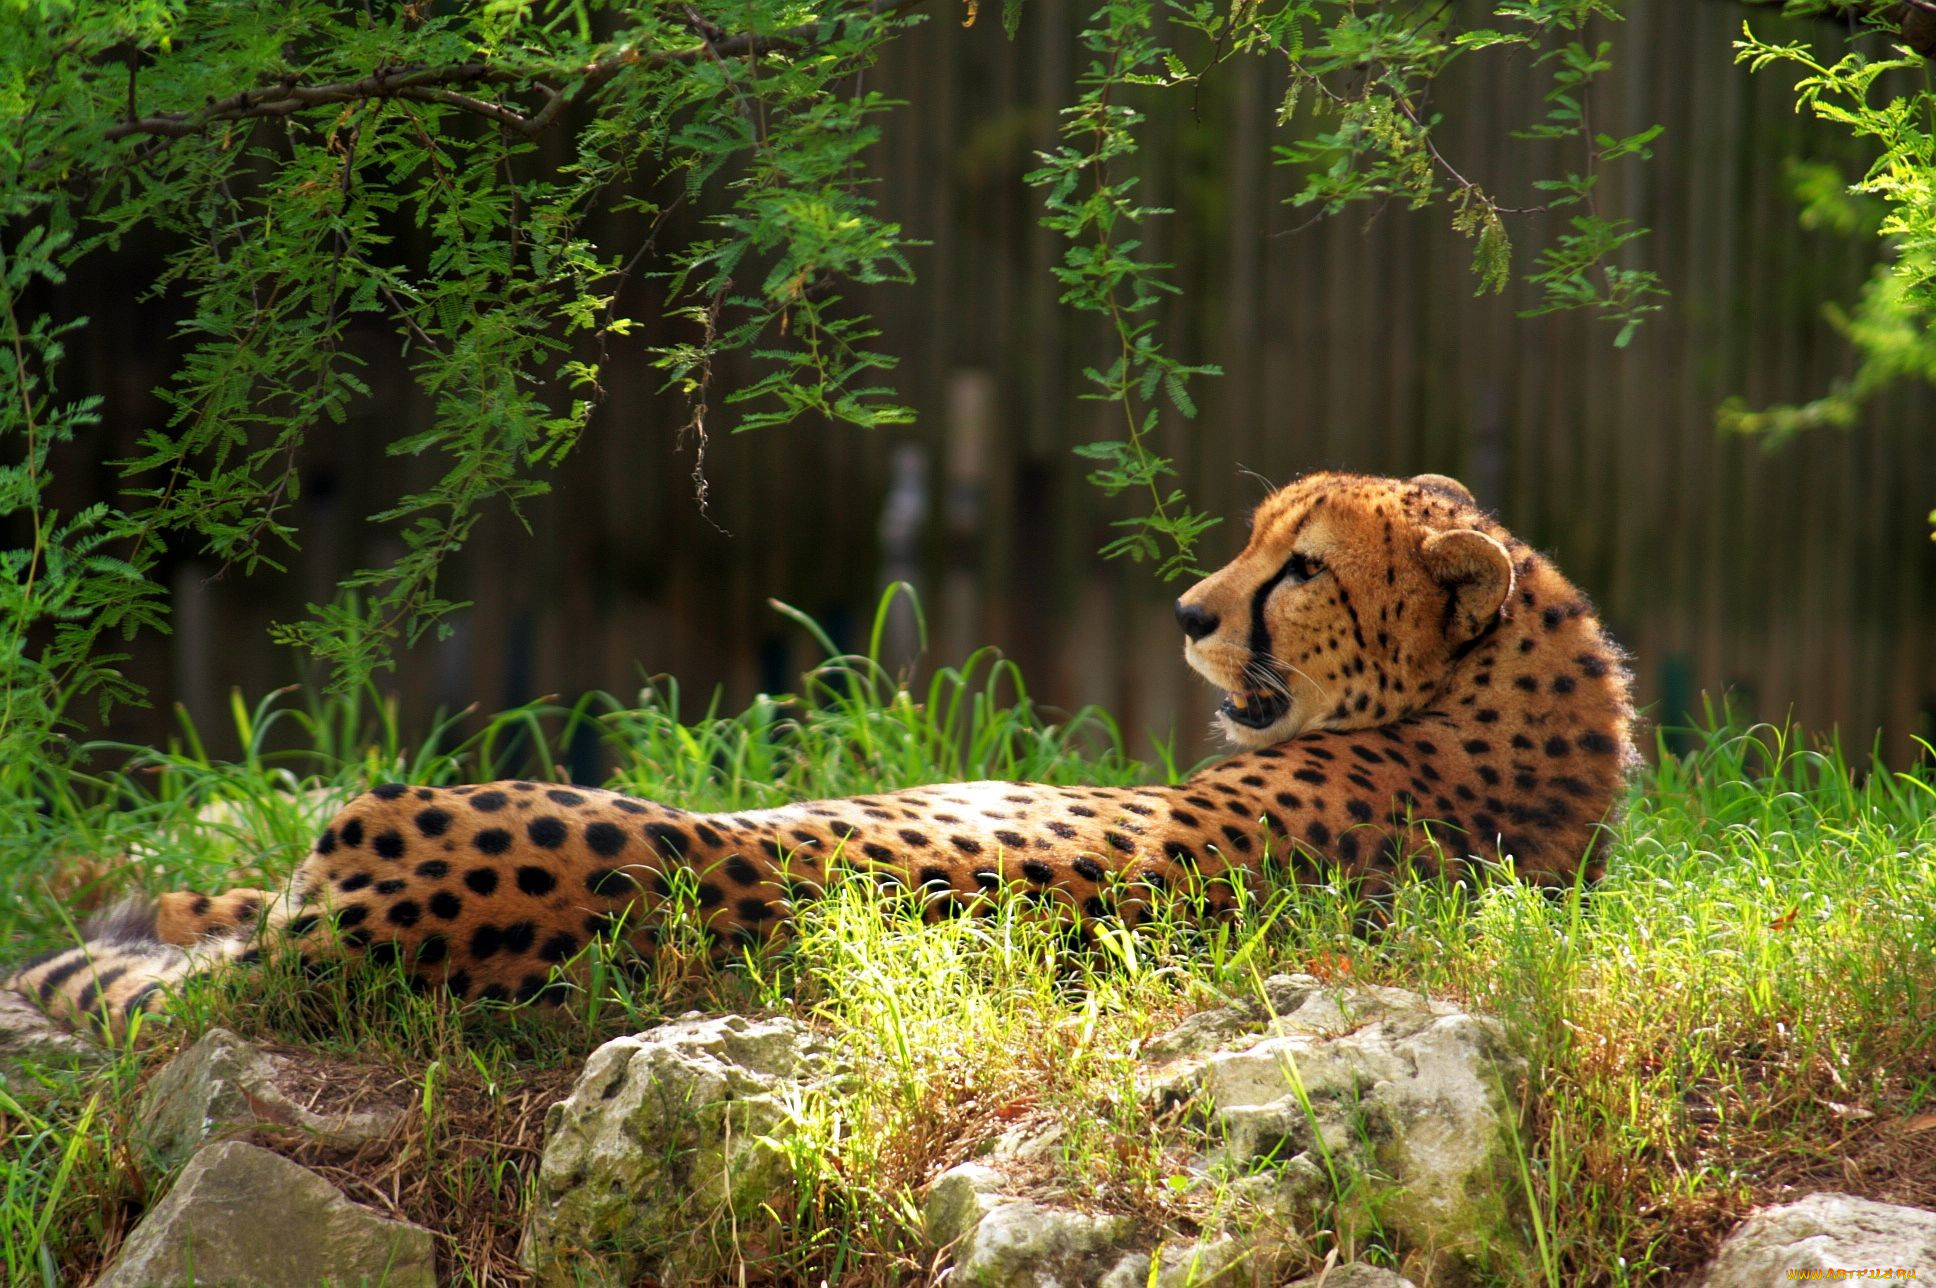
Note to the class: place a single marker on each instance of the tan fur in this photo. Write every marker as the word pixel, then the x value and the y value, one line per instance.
pixel 1440 682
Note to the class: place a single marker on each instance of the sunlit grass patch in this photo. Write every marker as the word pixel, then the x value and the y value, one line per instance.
pixel 1745 1006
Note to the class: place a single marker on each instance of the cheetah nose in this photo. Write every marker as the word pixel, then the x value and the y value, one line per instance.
pixel 1196 622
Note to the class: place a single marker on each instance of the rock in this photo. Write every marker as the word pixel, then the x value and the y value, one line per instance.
pixel 1356 1275
pixel 663 1160
pixel 223 1083
pixel 1824 1232
pixel 242 1216
pixel 1403 1099
pixel 958 1200
pixel 1020 1244
pixel 1356 1108
pixel 1208 1263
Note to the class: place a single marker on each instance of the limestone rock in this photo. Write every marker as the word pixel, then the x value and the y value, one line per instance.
pixel 1408 1095
pixel 1208 1263
pixel 1403 1100
pixel 957 1201
pixel 1020 1244
pixel 223 1083
pixel 242 1216
pixel 1824 1232
pixel 1356 1274
pixel 663 1159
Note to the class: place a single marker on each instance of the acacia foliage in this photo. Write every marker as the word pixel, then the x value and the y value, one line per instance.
pixel 277 150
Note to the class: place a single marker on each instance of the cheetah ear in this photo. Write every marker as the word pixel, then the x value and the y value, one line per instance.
pixel 1478 574
pixel 1446 485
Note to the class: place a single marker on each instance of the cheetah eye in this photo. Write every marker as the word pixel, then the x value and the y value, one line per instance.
pixel 1301 568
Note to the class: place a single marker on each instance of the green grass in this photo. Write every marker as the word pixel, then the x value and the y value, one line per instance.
pixel 1746 1003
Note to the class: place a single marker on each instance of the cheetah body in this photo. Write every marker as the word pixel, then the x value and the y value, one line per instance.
pixel 1411 683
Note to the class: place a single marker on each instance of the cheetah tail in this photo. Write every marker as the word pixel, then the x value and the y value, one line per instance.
pixel 132 954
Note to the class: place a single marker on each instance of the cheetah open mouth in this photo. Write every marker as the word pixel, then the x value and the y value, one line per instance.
pixel 1255 708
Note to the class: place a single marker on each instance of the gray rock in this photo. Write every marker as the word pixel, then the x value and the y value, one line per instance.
pixel 242 1216
pixel 1208 1263
pixel 1361 1108
pixel 223 1084
pixel 664 1159
pixel 1356 1274
pixel 958 1200
pixel 1020 1244
pixel 1404 1099
pixel 1824 1232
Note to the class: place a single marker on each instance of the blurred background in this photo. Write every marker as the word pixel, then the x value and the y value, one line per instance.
pixel 1800 581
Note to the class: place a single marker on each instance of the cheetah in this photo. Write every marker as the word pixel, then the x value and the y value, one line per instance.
pixel 1406 683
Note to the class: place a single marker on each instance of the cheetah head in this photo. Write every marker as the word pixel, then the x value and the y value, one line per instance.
pixel 1349 606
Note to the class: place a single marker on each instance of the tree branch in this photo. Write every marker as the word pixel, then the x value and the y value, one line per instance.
pixel 444 84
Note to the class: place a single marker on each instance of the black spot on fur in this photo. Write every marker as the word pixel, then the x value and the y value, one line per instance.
pixel 1359 810
pixel 433 870
pixel 404 912
pixel 353 833
pixel 609 883
pixel 481 880
pixel 570 800
pixel 326 843
pixel 432 949
pixel 388 845
pixel 605 839
pixel 446 905
pixel 1038 871
pixel 433 822
pixel 671 842
pixel 492 840
pixel 354 882
pixel 1087 867
pixel 547 833
pixel 536 881
pixel 489 802
pixel 389 791
pixel 559 947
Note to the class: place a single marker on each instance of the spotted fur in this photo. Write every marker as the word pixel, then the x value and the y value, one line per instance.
pixel 1409 680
